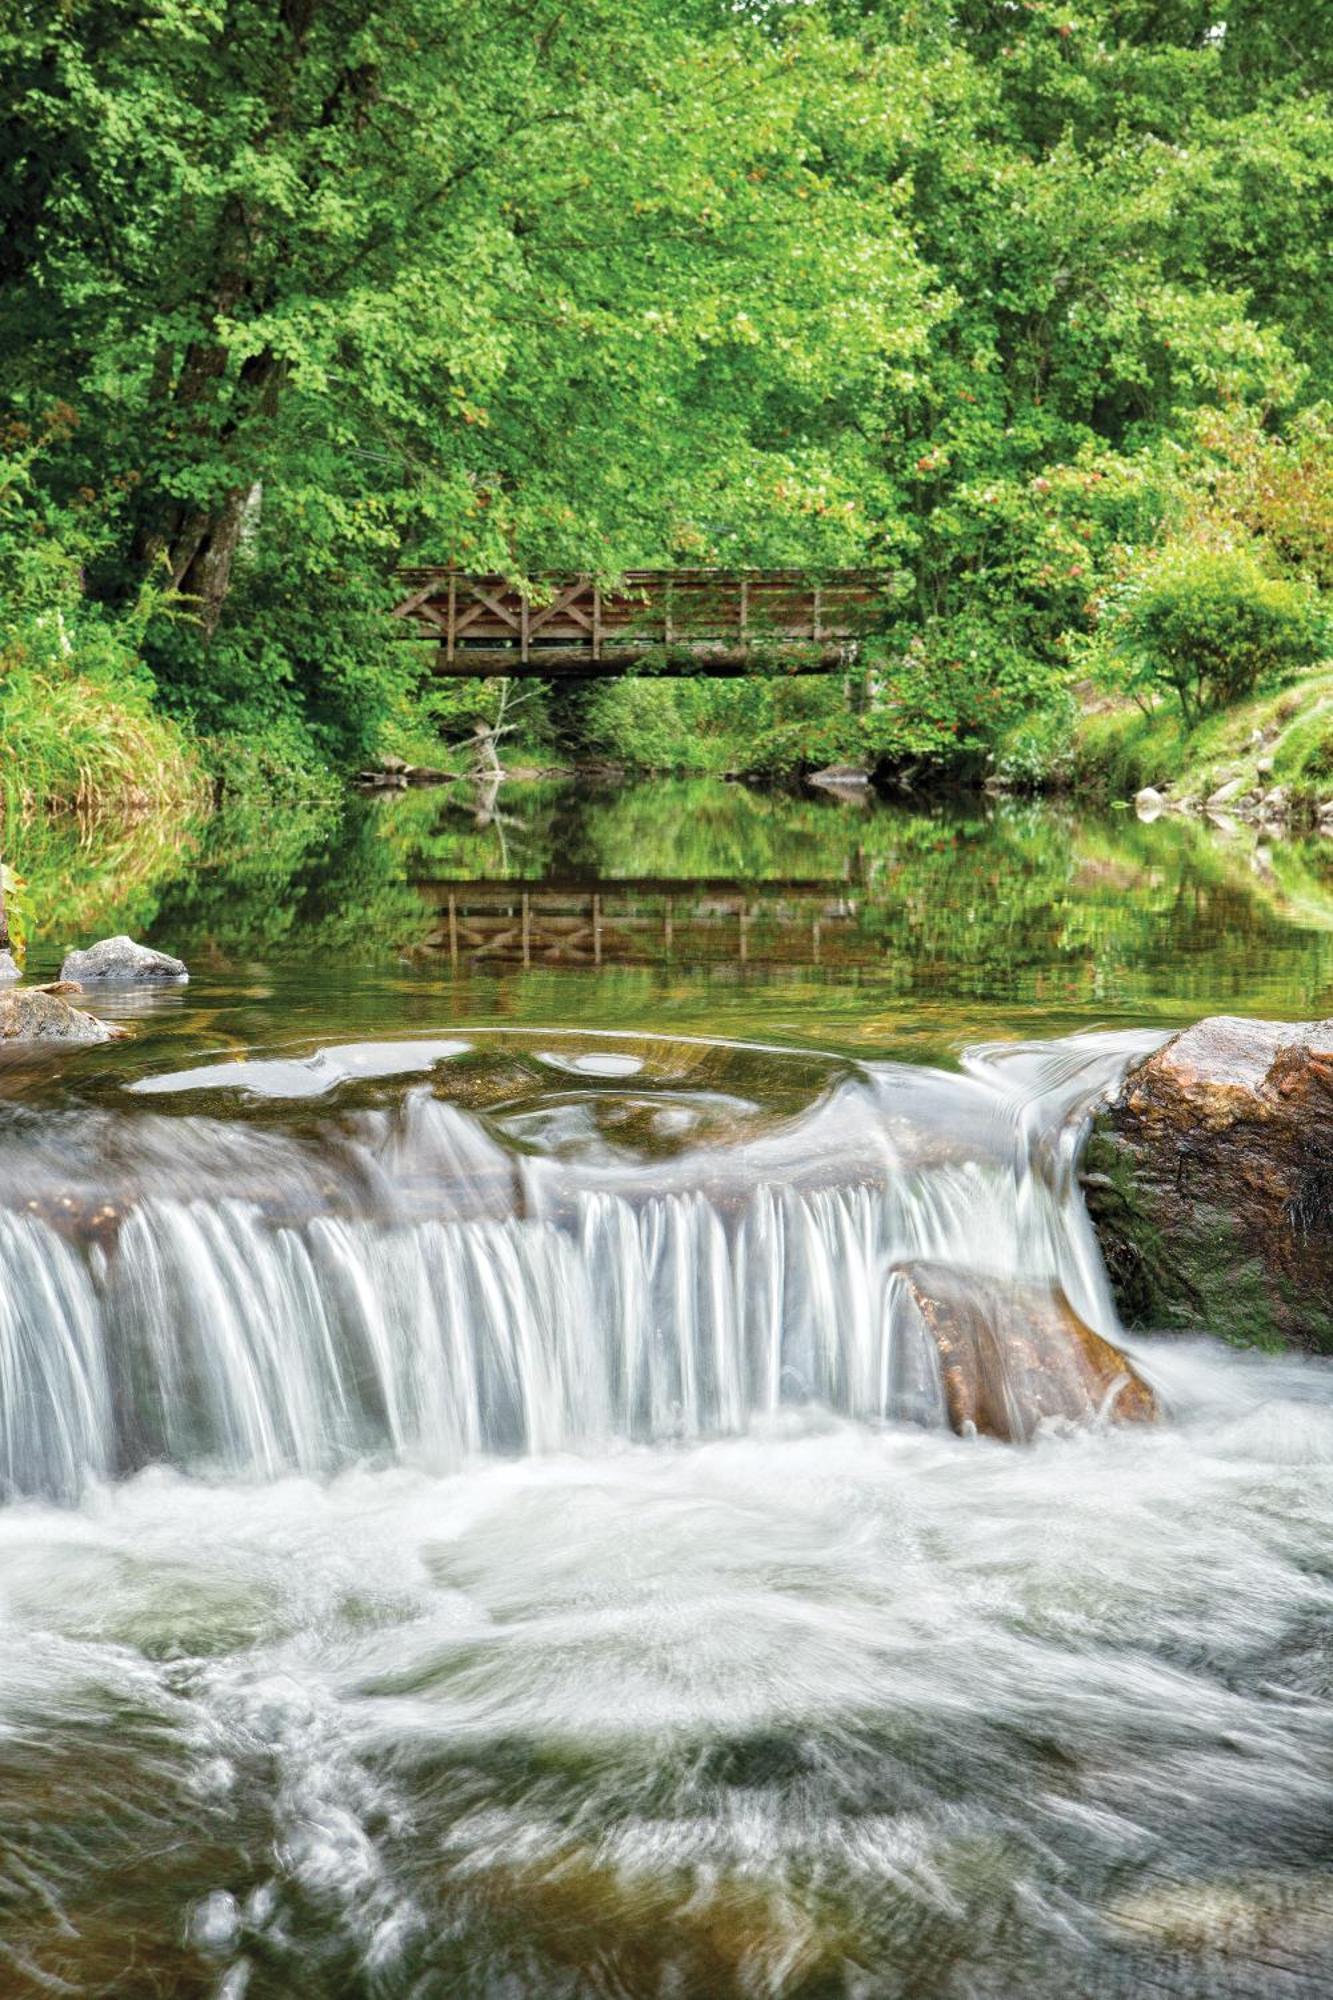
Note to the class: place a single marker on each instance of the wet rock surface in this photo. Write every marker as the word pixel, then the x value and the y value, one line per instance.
pixel 839 778
pixel 1014 1355
pixel 29 1015
pixel 120 961
pixel 1210 1182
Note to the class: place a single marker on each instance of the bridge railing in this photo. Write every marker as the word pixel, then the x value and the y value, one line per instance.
pixel 696 620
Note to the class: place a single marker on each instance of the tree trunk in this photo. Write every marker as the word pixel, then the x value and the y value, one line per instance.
pixel 202 555
pixel 199 545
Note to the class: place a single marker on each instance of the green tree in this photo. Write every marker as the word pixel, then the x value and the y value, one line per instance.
pixel 526 285
pixel 965 289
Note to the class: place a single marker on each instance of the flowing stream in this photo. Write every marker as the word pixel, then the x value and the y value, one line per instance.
pixel 480 1511
pixel 416 1282
pixel 482 1520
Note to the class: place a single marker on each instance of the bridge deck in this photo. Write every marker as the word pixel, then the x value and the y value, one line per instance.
pixel 688 621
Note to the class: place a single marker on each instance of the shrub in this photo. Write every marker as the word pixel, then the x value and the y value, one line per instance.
pixel 1038 752
pixel 756 723
pixel 1212 627
pixel 1279 488
pixel 955 692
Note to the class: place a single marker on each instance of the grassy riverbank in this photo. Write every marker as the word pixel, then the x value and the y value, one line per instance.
pixel 1280 740
pixel 83 743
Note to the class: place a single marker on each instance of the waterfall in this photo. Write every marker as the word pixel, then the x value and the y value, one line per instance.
pixel 410 1284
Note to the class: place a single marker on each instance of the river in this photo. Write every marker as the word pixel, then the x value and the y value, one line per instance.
pixel 480 1517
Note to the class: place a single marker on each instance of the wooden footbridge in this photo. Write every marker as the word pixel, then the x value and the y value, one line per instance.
pixel 680 622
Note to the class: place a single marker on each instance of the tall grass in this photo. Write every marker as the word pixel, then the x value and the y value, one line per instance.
pixel 76 742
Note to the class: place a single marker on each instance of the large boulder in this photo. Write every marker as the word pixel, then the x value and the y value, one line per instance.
pixel 120 961
pixel 29 1015
pixel 1210 1181
pixel 1013 1355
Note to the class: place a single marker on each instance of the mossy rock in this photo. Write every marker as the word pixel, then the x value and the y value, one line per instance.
pixel 1209 1181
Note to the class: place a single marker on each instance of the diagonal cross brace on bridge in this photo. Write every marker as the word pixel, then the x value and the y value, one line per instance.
pixel 679 622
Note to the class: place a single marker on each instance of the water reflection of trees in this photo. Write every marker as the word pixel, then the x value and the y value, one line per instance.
pixel 1012 900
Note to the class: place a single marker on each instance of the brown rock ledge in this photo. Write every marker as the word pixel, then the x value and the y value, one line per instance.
pixel 1210 1181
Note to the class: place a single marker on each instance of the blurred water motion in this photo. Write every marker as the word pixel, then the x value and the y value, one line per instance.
pixel 485 1521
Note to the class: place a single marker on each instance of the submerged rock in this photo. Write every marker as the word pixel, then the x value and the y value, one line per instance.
pixel 1210 1181
pixel 1013 1354
pixel 29 1015
pixel 120 961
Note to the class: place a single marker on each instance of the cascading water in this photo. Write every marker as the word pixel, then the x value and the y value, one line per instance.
pixel 422 1281
pixel 482 1522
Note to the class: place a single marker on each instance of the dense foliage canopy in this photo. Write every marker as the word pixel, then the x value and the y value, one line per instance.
pixel 1009 300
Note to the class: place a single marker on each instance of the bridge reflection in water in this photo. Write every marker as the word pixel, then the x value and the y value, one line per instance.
pixel 649 921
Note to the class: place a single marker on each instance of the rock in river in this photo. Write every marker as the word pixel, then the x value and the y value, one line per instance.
pixel 9 970
pixel 839 778
pixel 120 961
pixel 29 1015
pixel 1012 1354
pixel 1210 1181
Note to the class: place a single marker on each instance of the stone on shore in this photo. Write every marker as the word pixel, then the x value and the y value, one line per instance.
pixel 9 970
pixel 120 961
pixel 1013 1355
pixel 1224 794
pixel 840 778
pixel 1149 804
pixel 1210 1181
pixel 29 1015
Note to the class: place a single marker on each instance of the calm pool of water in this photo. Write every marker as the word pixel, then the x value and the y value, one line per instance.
pixel 699 907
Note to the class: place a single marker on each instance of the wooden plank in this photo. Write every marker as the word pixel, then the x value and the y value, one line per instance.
pixel 413 603
pixel 566 603
pixel 709 619
pixel 491 603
